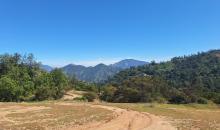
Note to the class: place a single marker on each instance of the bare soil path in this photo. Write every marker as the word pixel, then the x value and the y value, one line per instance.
pixel 39 116
pixel 128 120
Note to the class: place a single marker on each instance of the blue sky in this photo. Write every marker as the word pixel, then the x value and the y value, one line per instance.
pixel 87 32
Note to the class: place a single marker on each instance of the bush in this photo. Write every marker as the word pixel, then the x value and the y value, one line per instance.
pixel 161 100
pixel 8 90
pixel 43 93
pixel 202 101
pixel 80 99
pixel 178 99
pixel 83 86
pixel 108 93
pixel 217 99
pixel 90 96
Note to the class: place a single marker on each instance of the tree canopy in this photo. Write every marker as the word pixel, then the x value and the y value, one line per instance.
pixel 21 79
pixel 195 78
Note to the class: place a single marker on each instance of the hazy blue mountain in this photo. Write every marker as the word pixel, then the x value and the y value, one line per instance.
pixel 74 70
pixel 46 68
pixel 100 72
pixel 97 73
pixel 127 63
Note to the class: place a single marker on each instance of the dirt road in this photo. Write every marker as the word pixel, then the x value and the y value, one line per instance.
pixel 127 120
pixel 39 116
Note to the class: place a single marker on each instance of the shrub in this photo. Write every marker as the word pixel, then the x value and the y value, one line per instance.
pixel 90 96
pixel 178 99
pixel 202 101
pixel 43 93
pixel 108 93
pixel 80 99
pixel 8 90
pixel 161 100
pixel 217 99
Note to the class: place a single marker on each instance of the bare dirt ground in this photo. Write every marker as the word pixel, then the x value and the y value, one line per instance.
pixel 76 116
pixel 183 117
pixel 128 120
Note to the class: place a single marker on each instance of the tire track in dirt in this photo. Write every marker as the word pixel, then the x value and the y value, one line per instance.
pixel 128 120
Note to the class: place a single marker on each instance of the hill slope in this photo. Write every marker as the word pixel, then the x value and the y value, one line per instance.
pixel 100 72
pixel 192 76
pixel 46 68
pixel 96 74
pixel 127 63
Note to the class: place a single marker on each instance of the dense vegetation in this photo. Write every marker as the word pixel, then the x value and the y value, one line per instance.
pixel 21 79
pixel 138 89
pixel 83 86
pixel 186 79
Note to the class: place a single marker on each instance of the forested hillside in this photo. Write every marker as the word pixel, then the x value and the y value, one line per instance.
pixel 127 63
pixel 187 79
pixel 194 78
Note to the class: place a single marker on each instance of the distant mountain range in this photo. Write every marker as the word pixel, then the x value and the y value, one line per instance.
pixel 98 73
pixel 127 63
pixel 46 68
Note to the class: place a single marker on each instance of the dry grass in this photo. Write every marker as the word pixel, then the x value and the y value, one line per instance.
pixel 61 115
pixel 48 115
pixel 184 117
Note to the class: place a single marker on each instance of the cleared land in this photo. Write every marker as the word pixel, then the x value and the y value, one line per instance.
pixel 41 116
pixel 68 115
pixel 183 117
pixel 75 116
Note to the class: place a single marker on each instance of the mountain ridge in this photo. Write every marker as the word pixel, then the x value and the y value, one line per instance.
pixel 99 73
pixel 192 78
pixel 127 63
pixel 46 68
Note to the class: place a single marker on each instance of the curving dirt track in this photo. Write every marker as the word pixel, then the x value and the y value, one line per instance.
pixel 121 119
pixel 127 120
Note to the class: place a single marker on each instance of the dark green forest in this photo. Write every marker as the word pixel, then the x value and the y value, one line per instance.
pixel 187 79
pixel 21 79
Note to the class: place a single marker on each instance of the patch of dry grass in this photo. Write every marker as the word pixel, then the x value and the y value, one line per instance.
pixel 184 117
pixel 48 115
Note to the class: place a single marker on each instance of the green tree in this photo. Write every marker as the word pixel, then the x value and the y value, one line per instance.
pixel 9 91
pixel 59 83
pixel 90 96
pixel 108 93
pixel 23 80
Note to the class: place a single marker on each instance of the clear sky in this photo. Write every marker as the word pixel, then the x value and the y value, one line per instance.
pixel 86 32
